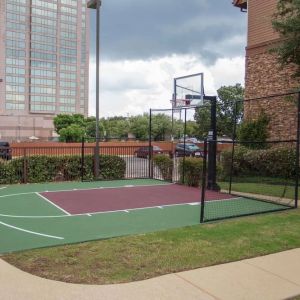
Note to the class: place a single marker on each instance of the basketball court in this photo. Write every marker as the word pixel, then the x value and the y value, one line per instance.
pixel 42 215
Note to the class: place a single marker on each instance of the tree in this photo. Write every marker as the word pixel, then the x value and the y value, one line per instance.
pixel 90 127
pixel 202 117
pixel 191 128
pixel 139 126
pixel 116 127
pixel 228 97
pixel 71 134
pixel 286 21
pixel 63 121
pixel 161 127
pixel 254 131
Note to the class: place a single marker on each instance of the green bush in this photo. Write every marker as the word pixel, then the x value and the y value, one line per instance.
pixel 112 167
pixel 274 162
pixel 190 171
pixel 42 168
pixel 239 163
pixel 8 173
pixel 165 166
pixel 255 131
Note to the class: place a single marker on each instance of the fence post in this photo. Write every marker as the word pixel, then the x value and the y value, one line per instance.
pixel 297 152
pixel 203 187
pixel 212 152
pixel 82 158
pixel 25 164
pixel 233 146
pixel 184 147
pixel 150 173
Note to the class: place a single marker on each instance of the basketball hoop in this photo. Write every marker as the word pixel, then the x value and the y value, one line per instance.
pixel 181 103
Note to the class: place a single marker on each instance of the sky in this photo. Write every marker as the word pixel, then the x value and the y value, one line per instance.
pixel 145 44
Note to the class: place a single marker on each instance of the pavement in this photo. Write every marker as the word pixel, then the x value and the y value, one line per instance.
pixel 275 276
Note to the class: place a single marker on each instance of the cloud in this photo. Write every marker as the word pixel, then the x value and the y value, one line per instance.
pixel 134 86
pixel 142 29
pixel 145 44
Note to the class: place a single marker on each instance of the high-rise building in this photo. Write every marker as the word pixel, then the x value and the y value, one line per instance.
pixel 44 64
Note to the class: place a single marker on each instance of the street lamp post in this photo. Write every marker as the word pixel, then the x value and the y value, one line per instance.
pixel 96 4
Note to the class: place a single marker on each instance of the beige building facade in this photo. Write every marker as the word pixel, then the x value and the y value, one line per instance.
pixel 44 65
pixel 264 75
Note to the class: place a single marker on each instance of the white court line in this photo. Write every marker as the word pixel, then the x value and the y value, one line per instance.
pixel 96 213
pixel 64 211
pixel 115 211
pixel 87 189
pixel 9 195
pixel 224 199
pixel 32 232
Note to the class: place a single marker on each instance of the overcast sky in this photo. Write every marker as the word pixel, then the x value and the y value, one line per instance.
pixel 145 44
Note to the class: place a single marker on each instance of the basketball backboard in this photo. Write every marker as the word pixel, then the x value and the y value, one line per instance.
pixel 188 91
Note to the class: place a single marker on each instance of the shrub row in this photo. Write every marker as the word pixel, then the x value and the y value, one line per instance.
pixel 41 168
pixel 276 162
pixel 165 166
pixel 190 169
pixel 273 162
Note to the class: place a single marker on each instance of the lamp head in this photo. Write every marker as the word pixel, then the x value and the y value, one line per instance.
pixel 93 4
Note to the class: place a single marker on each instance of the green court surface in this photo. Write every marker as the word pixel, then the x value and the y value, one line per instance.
pixel 215 210
pixel 28 220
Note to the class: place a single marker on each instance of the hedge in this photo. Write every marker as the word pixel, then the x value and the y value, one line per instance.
pixel 165 165
pixel 41 168
pixel 274 162
pixel 191 168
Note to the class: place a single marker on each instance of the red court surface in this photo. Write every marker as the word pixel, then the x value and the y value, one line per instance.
pixel 113 199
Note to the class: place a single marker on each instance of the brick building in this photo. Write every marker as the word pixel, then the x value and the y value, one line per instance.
pixel 263 73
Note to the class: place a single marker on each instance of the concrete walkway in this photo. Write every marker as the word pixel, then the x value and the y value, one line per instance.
pixel 275 276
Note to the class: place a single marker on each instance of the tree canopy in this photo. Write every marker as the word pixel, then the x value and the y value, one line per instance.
pixel 286 21
pixel 227 97
pixel 72 128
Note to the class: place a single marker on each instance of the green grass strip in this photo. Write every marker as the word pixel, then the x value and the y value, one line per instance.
pixel 275 190
pixel 144 256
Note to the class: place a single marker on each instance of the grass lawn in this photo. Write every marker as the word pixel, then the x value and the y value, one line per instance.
pixel 263 186
pixel 144 256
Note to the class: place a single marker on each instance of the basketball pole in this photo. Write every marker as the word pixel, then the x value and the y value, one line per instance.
pixel 212 143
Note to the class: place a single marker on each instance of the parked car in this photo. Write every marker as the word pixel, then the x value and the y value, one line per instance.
pixel 192 140
pixel 5 150
pixel 189 150
pixel 143 152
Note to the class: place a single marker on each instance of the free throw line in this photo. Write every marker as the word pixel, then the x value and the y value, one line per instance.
pixel 32 232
